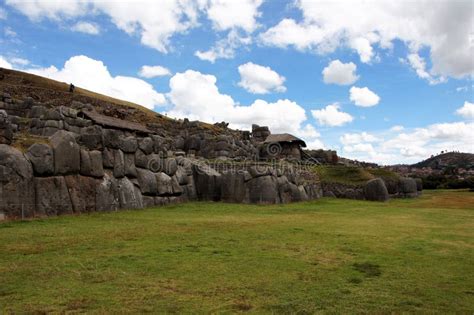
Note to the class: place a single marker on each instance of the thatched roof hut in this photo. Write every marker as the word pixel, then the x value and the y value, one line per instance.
pixel 284 138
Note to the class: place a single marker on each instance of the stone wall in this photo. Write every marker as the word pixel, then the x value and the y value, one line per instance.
pixel 75 165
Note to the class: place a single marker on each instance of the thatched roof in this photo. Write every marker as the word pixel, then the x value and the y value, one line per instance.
pixel 107 121
pixel 284 137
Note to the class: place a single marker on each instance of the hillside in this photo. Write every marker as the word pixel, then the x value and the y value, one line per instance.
pixel 449 159
pixel 20 85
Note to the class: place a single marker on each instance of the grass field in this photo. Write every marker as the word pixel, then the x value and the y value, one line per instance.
pixel 329 256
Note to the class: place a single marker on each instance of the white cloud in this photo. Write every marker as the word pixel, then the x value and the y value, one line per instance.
pixel 410 146
pixel 419 65
pixel 290 33
pixel 155 21
pixel 397 128
pixel 230 14
pixel 4 63
pixel 363 47
pixel 363 97
pixel 86 27
pixel 153 71
pixel 364 26
pixel 93 75
pixel 258 79
pixel 195 95
pixel 340 73
pixel 331 116
pixel 19 61
pixel 3 14
pixel 355 138
pixel 224 48
pixel 9 32
pixel 467 111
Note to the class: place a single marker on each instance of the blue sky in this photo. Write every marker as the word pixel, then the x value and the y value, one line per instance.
pixel 389 82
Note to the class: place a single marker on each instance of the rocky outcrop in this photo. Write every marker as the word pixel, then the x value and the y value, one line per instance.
pixel 375 190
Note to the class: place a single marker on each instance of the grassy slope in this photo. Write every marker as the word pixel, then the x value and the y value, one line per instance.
pixel 316 256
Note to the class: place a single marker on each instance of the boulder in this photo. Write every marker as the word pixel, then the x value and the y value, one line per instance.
pixel 91 163
pixel 192 143
pixel 52 196
pixel 107 193
pixel 91 137
pixel 181 175
pixel 82 191
pixel 108 158
pixel 119 164
pixel 128 144
pixel 130 196
pixel 375 190
pixel 164 183
pixel 112 138
pixel 141 159
pixel 408 187
pixel 175 187
pixel 393 186
pixel 170 166
pixel 263 189
pixel 147 182
pixel 207 182
pixel 42 158
pixel 67 157
pixel 129 164
pixel 17 193
pixel 146 145
pixel 233 187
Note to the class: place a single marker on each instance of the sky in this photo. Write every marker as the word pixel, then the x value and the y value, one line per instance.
pixel 380 81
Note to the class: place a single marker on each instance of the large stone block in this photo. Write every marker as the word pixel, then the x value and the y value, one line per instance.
pixel 233 187
pixel 263 189
pixel 130 196
pixel 170 166
pixel 147 182
pixel 129 164
pixel 82 191
pixel 17 193
pixel 207 182
pixel 375 190
pixel 41 157
pixel 52 196
pixel 67 158
pixel 107 193
pixel 408 187
pixel 119 164
pixel 146 145
pixel 112 138
pixel 164 183
pixel 92 138
pixel 128 144
pixel 91 163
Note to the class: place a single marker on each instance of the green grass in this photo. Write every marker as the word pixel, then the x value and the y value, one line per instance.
pixel 349 175
pixel 329 256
